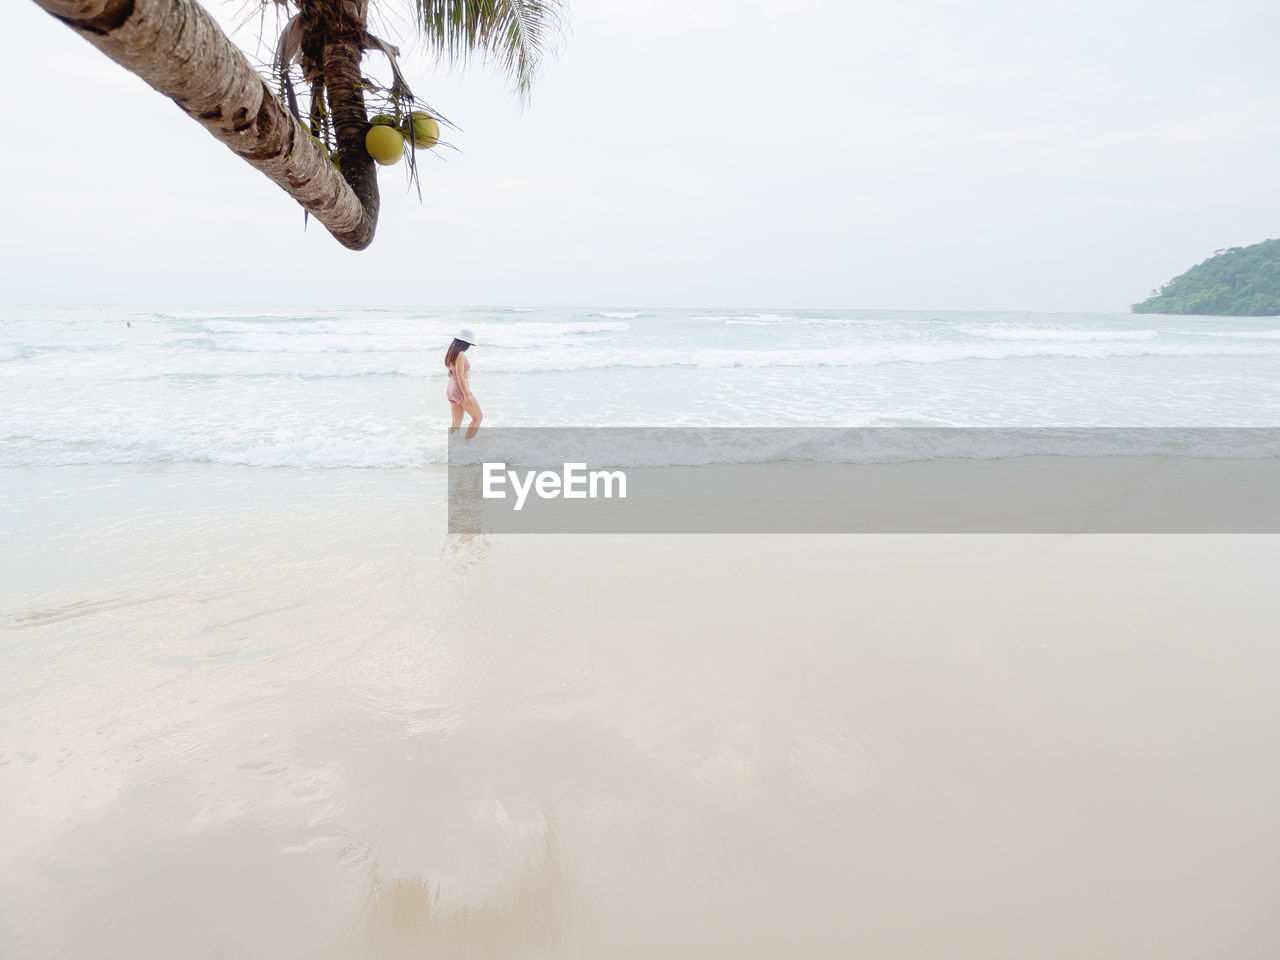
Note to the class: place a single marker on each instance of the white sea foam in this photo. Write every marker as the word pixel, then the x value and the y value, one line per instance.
pixel 308 326
pixel 524 328
pixel 411 332
pixel 322 356
pixel 750 319
pixel 682 447
pixel 254 342
pixel 1043 333
pixel 358 442
pixel 1238 334
pixel 585 358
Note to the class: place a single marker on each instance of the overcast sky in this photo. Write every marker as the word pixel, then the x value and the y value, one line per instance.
pixel 755 153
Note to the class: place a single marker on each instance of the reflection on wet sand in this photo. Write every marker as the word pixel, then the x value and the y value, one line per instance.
pixel 413 917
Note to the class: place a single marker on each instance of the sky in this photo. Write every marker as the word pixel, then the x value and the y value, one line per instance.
pixel 878 154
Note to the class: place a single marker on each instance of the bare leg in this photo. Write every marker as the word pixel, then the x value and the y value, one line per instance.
pixel 472 408
pixel 456 411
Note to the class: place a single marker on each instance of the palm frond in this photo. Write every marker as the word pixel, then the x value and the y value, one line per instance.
pixel 515 35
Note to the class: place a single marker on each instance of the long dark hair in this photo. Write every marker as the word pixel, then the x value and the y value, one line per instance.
pixel 455 348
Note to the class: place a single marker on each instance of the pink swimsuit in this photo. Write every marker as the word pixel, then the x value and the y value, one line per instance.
pixel 453 392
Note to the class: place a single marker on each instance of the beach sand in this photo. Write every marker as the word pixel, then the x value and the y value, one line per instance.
pixel 277 713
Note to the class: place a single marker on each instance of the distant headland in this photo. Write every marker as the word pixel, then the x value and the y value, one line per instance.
pixel 1239 282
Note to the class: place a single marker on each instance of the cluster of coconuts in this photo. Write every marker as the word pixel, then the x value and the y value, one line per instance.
pixel 385 141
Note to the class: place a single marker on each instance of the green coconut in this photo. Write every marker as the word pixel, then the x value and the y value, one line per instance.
pixel 385 144
pixel 383 120
pixel 422 128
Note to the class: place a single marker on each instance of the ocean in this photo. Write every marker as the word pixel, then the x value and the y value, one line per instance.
pixel 364 387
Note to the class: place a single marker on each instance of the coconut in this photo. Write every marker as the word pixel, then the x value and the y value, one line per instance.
pixel 385 144
pixel 423 130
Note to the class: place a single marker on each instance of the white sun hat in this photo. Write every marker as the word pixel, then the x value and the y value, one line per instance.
pixel 466 336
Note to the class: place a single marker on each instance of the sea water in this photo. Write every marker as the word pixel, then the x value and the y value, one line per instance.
pixel 364 387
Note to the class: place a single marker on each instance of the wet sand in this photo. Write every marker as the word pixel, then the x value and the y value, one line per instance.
pixel 276 713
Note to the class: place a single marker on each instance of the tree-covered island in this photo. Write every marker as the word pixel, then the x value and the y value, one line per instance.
pixel 1239 282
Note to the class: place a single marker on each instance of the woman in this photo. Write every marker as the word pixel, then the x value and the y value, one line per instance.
pixel 461 399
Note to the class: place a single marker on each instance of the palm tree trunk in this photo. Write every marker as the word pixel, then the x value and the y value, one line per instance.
pixel 333 37
pixel 178 48
pixel 345 87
